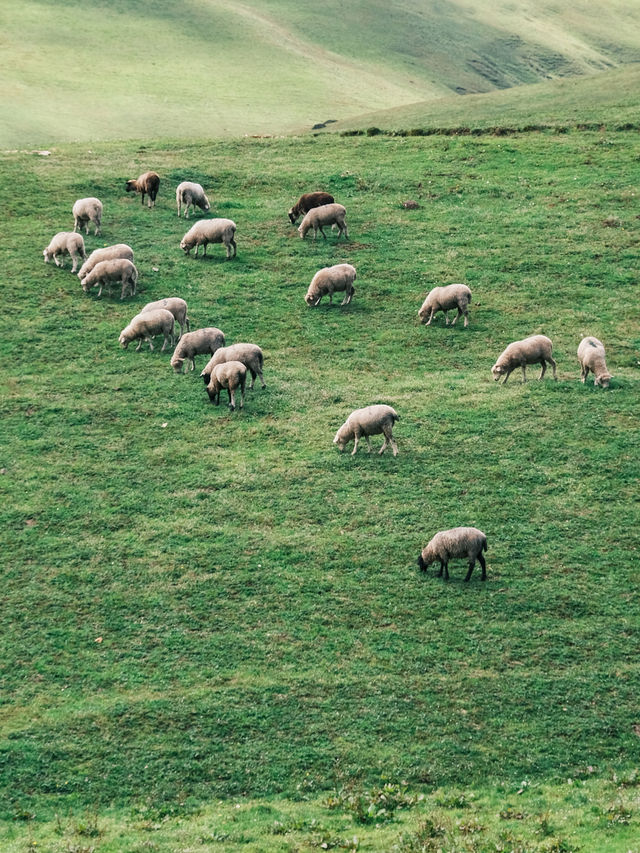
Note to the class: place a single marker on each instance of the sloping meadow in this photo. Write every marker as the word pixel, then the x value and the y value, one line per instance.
pixel 198 603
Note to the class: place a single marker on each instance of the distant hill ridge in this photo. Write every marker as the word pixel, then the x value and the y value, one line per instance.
pixel 198 68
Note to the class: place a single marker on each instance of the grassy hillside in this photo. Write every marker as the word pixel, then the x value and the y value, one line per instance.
pixel 609 98
pixel 88 70
pixel 213 632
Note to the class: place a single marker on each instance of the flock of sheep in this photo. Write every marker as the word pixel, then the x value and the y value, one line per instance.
pixel 228 366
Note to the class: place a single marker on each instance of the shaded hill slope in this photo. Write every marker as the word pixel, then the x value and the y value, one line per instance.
pixel 82 71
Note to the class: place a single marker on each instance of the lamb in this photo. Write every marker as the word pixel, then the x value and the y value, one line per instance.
pixel 466 542
pixel 249 354
pixel 307 202
pixel 86 210
pixel 146 325
pixel 330 280
pixel 117 269
pixel 591 357
pixel 65 243
pixel 178 308
pixel 326 214
pixel 230 375
pixel 372 420
pixel 533 350
pixel 120 250
pixel 148 184
pixel 206 231
pixel 444 299
pixel 191 344
pixel 189 194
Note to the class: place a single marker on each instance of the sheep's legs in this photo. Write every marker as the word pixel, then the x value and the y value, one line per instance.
pixel 584 372
pixel 544 368
pixel 484 566
pixel 471 566
pixel 232 400
pixel 355 444
pixel 524 373
pixel 553 367
pixel 388 440
pixel 428 323
pixel 506 376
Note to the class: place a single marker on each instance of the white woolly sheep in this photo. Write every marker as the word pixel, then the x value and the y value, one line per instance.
pixel 206 340
pixel 463 542
pixel 87 210
pixel 65 243
pixel 120 250
pixel 206 231
pixel 230 375
pixel 591 358
pixel 533 350
pixel 149 183
pixel 191 194
pixel 146 325
pixel 372 420
pixel 249 354
pixel 307 202
pixel 330 280
pixel 106 272
pixel 326 214
pixel 178 308
pixel 444 299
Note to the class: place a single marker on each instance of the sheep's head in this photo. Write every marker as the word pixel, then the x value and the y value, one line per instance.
pixel 47 256
pixel 311 299
pixel 292 216
pixel 302 230
pixel 184 245
pixel 123 340
pixel 85 284
pixel 423 313
pixel 340 439
pixel 205 205
pixel 131 186
pixel 177 363
pixel 498 370
pixel 603 380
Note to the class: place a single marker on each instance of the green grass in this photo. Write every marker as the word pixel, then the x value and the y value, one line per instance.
pixel 609 98
pixel 86 71
pixel 265 638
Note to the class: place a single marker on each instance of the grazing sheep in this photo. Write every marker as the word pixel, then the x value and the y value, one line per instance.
pixel 444 299
pixel 330 280
pixel 206 231
pixel 120 250
pixel 65 243
pixel 249 354
pixel 466 542
pixel 230 375
pixel 307 202
pixel 178 308
pixel 533 350
pixel 148 184
pixel 327 214
pixel 86 210
pixel 106 272
pixel 206 340
pixel 591 358
pixel 145 326
pixel 191 194
pixel 372 420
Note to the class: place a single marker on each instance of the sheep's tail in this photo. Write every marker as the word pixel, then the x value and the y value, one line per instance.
pixel 469 297
pixel 484 545
pixel 395 417
pixel 260 359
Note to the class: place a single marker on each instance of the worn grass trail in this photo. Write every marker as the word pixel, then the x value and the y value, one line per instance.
pixel 202 605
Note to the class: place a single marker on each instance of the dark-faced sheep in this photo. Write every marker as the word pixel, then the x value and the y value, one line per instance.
pixel 306 202
pixel 147 184
pixel 462 542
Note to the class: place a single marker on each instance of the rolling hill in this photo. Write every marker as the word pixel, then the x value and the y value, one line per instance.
pixel 208 69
